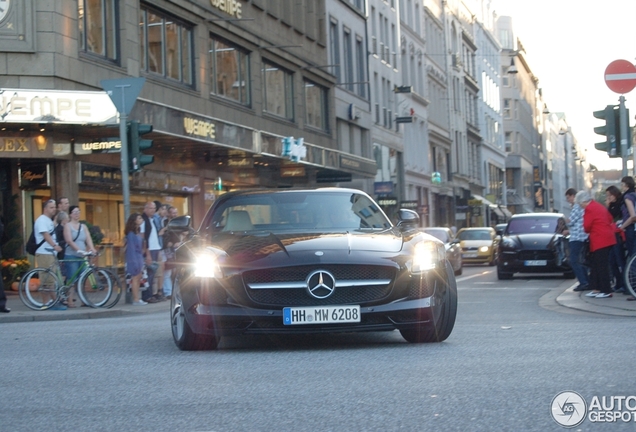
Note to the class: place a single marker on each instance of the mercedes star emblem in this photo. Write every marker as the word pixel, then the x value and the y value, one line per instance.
pixel 321 284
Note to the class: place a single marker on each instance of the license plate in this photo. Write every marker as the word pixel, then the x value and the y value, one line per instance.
pixel 536 263
pixel 470 255
pixel 321 315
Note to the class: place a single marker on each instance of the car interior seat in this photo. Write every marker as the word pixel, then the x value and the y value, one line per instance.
pixel 238 220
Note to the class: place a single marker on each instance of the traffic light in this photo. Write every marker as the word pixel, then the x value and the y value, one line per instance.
pixel 611 131
pixel 136 159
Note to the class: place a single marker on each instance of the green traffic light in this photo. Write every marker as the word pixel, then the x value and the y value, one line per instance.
pixel 136 159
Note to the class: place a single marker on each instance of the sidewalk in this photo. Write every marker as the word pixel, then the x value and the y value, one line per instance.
pixel 21 313
pixel 617 306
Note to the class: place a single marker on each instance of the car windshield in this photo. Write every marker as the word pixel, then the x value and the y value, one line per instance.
pixel 298 210
pixel 438 233
pixel 546 225
pixel 474 235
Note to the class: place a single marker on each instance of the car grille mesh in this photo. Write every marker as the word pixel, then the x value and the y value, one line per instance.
pixel 420 288
pixel 301 296
pixel 536 255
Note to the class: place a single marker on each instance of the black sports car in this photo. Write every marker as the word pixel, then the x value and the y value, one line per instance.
pixel 303 261
pixel 534 243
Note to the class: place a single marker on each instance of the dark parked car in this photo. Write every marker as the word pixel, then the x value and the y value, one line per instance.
pixel 500 228
pixel 453 249
pixel 534 243
pixel 308 261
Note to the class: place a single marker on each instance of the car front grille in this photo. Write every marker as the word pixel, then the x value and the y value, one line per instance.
pixel 299 295
pixel 536 255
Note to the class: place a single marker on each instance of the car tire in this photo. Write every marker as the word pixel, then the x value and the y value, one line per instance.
pixel 503 275
pixel 444 315
pixel 184 337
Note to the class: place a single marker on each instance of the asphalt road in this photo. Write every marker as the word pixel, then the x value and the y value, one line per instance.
pixel 511 353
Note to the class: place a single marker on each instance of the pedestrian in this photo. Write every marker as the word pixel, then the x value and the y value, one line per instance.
pixel 151 248
pixel 614 203
pixel 61 219
pixel 3 296
pixel 578 237
pixel 44 230
pixel 171 240
pixel 628 186
pixel 598 223
pixel 134 255
pixel 78 243
pixel 158 219
pixel 62 205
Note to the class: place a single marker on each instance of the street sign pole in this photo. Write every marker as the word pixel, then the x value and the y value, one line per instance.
pixel 624 125
pixel 123 93
pixel 125 180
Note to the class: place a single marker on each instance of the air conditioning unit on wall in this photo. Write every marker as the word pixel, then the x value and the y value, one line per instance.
pixel 354 112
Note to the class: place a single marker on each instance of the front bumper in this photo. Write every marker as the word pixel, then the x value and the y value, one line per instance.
pixel 514 262
pixel 235 320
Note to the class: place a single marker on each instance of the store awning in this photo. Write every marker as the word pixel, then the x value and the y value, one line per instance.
pixel 482 199
pixel 495 209
pixel 515 199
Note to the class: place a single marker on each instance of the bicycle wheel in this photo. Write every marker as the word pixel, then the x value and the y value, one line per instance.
pixel 630 275
pixel 39 289
pixel 117 289
pixel 95 286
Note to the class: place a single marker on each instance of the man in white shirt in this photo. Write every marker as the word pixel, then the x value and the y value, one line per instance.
pixel 44 230
pixel 152 248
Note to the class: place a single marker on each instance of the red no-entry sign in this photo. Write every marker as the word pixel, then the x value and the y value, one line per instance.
pixel 620 76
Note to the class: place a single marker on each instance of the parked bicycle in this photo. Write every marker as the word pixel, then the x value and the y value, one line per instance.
pixel 42 288
pixel 630 275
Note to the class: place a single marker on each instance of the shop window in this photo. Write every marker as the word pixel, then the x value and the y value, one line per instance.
pixel 316 105
pixel 97 21
pixel 277 89
pixel 166 46
pixel 229 71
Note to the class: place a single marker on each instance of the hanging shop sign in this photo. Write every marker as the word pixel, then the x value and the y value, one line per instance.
pixel 47 106
pixel 99 174
pixel 34 175
pixel 411 205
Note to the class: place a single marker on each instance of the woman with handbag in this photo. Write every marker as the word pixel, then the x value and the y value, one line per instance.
pixel 134 255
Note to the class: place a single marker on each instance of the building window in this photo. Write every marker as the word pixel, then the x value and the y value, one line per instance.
pixel 229 71
pixel 360 67
pixel 278 91
pixel 508 141
pixel 334 42
pixel 166 46
pixel 506 108
pixel 97 20
pixel 316 105
pixel 505 79
pixel 348 57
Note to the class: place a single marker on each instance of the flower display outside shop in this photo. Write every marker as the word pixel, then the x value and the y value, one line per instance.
pixel 13 269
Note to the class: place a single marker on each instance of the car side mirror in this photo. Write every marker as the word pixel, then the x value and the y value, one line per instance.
pixel 180 223
pixel 408 218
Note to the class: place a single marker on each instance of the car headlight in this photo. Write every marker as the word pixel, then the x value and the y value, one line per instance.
pixel 206 265
pixel 426 256
pixel 508 243
pixel 484 249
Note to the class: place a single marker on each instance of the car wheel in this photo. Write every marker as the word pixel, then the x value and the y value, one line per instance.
pixel 444 313
pixel 503 275
pixel 184 337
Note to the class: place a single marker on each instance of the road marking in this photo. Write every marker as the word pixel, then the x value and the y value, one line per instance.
pixel 462 279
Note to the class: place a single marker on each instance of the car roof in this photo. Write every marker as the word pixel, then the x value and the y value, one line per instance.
pixel 536 215
pixel 475 228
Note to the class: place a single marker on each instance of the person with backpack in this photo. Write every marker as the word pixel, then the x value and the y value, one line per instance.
pixel 44 230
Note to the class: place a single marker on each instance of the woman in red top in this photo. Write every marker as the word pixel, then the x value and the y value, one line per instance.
pixel 599 224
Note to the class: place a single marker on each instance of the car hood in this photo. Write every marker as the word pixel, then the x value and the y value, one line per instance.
pixel 252 247
pixel 534 241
